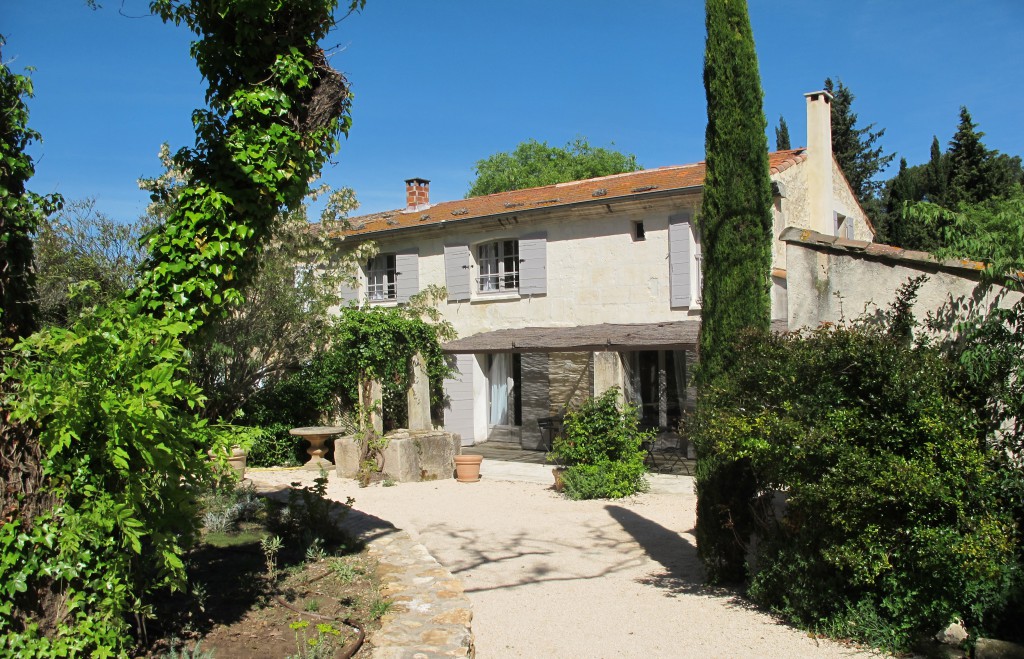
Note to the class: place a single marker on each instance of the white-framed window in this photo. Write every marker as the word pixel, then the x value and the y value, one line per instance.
pixel 382 278
pixel 498 266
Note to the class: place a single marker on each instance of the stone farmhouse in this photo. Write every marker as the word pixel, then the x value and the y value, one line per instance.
pixel 563 291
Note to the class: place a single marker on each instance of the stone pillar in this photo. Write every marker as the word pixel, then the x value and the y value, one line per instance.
pixel 607 372
pixel 371 397
pixel 418 395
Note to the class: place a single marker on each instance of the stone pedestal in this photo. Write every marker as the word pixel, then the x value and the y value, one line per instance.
pixel 410 456
pixel 317 437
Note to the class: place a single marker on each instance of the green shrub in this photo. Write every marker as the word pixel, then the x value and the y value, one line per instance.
pixel 606 480
pixel 602 448
pixel 840 472
pixel 124 451
pixel 275 447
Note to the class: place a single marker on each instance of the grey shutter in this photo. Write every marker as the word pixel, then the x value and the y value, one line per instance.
pixel 456 272
pixel 849 228
pixel 407 274
pixel 348 292
pixel 679 249
pixel 458 412
pixel 533 264
pixel 835 224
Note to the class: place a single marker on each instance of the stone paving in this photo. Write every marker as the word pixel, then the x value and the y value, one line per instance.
pixel 431 616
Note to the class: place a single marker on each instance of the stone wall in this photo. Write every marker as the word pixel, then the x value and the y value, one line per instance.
pixel 571 378
pixel 835 279
pixel 534 397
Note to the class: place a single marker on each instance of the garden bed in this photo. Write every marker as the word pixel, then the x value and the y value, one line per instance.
pixel 247 599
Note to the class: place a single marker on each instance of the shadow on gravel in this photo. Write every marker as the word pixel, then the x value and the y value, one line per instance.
pixel 683 573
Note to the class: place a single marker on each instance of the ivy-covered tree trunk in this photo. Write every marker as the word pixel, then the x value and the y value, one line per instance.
pixel 276 110
pixel 735 224
pixel 20 214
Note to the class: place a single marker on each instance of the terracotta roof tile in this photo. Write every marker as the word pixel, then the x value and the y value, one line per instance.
pixel 605 188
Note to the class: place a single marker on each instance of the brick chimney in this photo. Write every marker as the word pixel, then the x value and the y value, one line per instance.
pixel 417 194
pixel 819 159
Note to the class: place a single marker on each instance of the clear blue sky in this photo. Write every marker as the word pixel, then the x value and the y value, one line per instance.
pixel 439 85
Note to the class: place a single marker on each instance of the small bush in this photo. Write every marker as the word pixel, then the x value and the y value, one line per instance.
pixel 275 447
pixel 602 448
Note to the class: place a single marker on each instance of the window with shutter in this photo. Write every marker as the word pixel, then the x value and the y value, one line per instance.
pixel 407 272
pixel 498 266
pixel 456 272
pixel 680 247
pixel 533 264
pixel 381 284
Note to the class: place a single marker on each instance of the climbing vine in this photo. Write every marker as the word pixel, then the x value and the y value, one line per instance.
pixel 109 398
pixel 276 111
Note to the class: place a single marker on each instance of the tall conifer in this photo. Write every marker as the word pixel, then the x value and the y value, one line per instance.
pixel 782 142
pixel 736 218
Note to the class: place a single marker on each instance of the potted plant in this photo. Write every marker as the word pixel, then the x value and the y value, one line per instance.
pixel 231 447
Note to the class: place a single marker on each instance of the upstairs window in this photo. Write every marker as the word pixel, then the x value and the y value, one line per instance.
pixel 498 264
pixel 381 278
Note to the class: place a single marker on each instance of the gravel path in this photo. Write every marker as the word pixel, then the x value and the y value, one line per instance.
pixel 549 577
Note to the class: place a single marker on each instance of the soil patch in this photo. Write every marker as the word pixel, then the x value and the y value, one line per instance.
pixel 237 606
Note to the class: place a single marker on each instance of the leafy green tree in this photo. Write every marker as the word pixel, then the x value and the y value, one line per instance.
pixel 80 244
pixel 534 164
pixel 969 163
pixel 854 147
pixel 21 211
pixel 284 318
pixel 936 176
pixel 911 184
pixel 735 218
pixel 116 412
pixel 782 135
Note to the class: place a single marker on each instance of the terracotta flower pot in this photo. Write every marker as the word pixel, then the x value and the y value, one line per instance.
pixel 467 468
pixel 237 461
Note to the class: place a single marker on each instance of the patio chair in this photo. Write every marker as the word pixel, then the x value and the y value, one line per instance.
pixel 665 455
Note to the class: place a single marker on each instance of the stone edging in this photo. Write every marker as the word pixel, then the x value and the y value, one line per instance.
pixel 431 616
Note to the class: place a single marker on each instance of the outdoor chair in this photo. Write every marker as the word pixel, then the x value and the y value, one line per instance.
pixel 666 454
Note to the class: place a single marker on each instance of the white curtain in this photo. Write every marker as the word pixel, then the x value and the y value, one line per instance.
pixel 498 378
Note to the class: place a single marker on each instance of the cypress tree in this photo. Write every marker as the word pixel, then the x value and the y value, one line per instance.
pixel 936 175
pixel 735 223
pixel 736 215
pixel 782 135
pixel 968 163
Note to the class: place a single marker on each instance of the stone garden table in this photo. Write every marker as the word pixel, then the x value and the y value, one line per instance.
pixel 317 437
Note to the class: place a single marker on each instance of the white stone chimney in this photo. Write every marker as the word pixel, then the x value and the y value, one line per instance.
pixel 819 159
pixel 417 194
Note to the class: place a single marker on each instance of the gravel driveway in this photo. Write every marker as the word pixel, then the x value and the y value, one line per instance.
pixel 549 577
